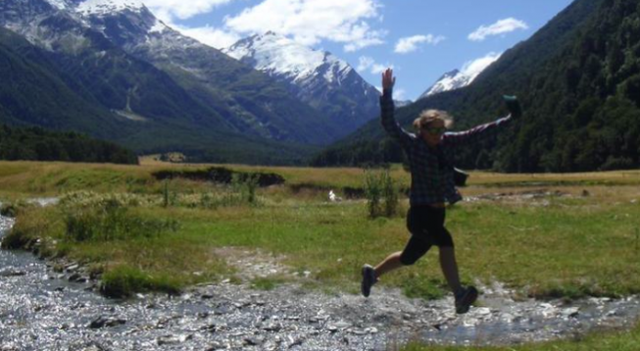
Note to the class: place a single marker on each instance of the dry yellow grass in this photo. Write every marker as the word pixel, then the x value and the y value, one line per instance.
pixel 50 178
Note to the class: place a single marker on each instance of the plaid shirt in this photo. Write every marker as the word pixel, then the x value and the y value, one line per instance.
pixel 432 168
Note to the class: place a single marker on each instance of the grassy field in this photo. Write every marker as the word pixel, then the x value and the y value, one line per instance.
pixel 552 235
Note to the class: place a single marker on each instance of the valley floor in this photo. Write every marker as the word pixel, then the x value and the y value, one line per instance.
pixel 555 256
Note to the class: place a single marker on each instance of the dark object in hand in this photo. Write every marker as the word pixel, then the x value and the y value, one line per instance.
pixel 460 177
pixel 513 105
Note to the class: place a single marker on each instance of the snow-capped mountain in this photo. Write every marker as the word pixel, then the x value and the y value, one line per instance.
pixel 316 77
pixel 281 56
pixel 449 81
pixel 125 33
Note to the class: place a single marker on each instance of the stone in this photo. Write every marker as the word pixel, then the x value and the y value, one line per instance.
pixel 173 340
pixel 103 321
pixel 253 341
pixel 71 268
pixel 571 312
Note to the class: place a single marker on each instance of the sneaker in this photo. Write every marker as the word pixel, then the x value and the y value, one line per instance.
pixel 464 299
pixel 368 279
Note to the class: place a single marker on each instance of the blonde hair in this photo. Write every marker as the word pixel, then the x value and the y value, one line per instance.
pixel 428 116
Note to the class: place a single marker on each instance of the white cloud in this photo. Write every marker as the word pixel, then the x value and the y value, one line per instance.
pixel 366 63
pixel 311 21
pixel 168 10
pixel 475 67
pixel 213 37
pixel 410 44
pixel 502 26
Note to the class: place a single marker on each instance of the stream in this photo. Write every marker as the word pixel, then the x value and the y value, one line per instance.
pixel 42 310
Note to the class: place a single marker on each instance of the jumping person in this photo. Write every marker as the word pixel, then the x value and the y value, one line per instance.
pixel 430 152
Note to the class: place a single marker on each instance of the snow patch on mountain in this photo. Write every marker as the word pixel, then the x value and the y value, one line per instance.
pixel 60 4
pixel 278 55
pixel 159 27
pixel 457 79
pixel 100 7
pixel 449 81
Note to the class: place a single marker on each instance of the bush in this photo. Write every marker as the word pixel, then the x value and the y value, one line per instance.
pixel 381 193
pixel 373 190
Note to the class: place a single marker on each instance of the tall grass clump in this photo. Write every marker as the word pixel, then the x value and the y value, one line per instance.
pixel 123 281
pixel 381 192
pixel 109 221
pixel 243 191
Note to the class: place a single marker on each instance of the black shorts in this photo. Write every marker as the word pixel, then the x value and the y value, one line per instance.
pixel 426 225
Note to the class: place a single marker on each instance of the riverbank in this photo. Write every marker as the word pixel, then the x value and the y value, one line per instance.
pixel 44 311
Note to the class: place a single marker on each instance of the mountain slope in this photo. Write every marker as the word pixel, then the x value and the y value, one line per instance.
pixel 33 92
pixel 578 80
pixel 248 100
pixel 207 104
pixel 36 91
pixel 318 78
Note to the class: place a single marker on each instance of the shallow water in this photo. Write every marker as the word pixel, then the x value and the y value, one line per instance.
pixel 41 310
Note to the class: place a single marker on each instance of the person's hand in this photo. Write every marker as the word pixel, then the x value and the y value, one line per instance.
pixel 388 80
pixel 513 105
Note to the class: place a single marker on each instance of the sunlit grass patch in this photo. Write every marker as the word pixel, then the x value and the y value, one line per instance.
pixel 267 283
pixel 616 341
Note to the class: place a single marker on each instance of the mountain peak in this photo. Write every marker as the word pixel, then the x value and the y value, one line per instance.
pixel 280 55
pixel 449 81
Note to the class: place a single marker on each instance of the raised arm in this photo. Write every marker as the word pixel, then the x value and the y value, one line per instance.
pixel 387 108
pixel 486 130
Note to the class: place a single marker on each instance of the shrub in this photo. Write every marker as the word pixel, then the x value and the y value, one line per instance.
pixel 373 191
pixel 382 194
pixel 390 193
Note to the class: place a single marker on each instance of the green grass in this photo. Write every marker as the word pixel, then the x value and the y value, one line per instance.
pixel 567 249
pixel 267 283
pixel 124 280
pixel 616 341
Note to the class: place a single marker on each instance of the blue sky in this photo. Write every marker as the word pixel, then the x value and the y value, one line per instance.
pixel 434 36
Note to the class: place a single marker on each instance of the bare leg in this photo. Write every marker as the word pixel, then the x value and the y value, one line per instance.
pixel 390 263
pixel 450 267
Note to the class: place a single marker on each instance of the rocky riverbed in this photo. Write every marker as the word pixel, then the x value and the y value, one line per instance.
pixel 41 310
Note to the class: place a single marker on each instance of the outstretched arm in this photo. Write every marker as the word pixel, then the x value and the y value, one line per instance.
pixel 489 129
pixel 387 107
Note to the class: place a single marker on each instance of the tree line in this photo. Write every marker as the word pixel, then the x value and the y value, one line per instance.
pixel 38 144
